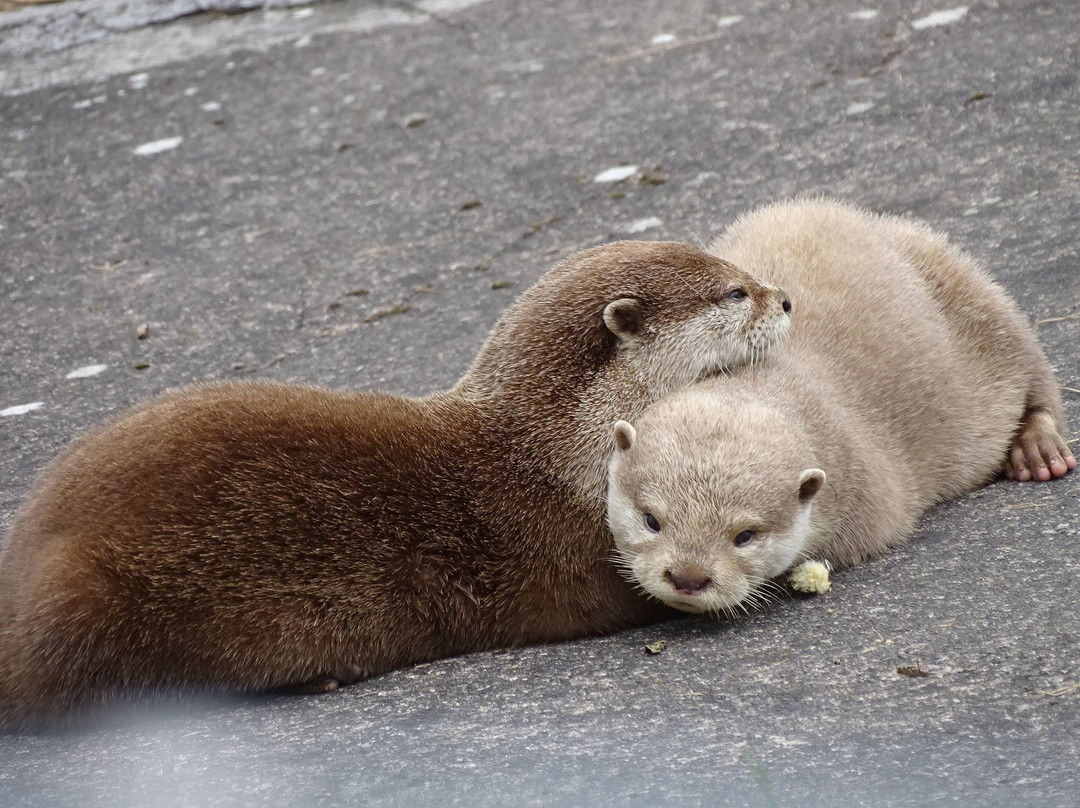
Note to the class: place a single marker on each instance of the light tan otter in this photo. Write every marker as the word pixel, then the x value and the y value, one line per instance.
pixel 247 536
pixel 907 375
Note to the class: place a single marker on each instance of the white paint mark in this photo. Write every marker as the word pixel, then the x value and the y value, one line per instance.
pixel 300 13
pixel 191 91
pixel 859 108
pixel 139 80
pixel 641 225
pixel 210 106
pixel 945 17
pixel 616 174
pixel 303 41
pixel 727 22
pixel 86 372
pixel 865 14
pixel 158 146
pixel 22 409
pixel 318 71
pixel 82 104
pixel 663 39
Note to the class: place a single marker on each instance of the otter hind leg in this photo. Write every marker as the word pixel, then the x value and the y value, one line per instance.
pixel 1038 451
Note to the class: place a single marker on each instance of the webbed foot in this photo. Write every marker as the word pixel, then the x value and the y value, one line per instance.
pixel 1038 451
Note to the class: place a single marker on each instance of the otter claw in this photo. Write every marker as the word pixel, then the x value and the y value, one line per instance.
pixel 329 682
pixel 1038 451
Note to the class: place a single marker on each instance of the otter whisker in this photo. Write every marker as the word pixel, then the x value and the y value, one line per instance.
pixel 697 239
pixel 769 593
pixel 771 586
pixel 725 610
pixel 641 590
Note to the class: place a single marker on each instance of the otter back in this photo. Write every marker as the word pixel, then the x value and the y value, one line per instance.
pixel 244 536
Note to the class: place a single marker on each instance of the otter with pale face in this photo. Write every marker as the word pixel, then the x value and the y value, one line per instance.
pixel 909 378
pixel 703 519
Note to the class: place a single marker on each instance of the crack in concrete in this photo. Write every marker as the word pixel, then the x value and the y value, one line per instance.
pixel 79 41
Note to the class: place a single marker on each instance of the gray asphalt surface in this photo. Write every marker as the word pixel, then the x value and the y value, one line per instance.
pixel 349 193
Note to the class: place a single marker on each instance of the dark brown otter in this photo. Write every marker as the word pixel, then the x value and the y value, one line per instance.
pixel 247 536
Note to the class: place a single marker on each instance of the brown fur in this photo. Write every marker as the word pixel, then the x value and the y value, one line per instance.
pixel 245 536
pixel 907 376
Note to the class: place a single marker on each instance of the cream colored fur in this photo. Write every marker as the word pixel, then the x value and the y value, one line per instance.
pixel 905 378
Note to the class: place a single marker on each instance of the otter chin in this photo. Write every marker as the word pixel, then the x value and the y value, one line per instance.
pixel 909 378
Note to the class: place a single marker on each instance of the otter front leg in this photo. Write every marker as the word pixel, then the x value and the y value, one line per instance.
pixel 327 682
pixel 1038 451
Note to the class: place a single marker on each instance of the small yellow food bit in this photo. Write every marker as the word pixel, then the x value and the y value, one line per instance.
pixel 811 576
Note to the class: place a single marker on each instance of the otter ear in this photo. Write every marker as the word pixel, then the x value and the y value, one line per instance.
pixel 810 482
pixel 624 435
pixel 624 317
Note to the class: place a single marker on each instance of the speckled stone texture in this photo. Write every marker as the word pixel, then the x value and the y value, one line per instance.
pixel 353 201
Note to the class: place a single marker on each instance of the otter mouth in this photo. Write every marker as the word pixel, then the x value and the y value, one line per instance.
pixel 692 603
pixel 691 607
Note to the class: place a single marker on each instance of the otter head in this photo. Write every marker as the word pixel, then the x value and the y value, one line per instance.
pixel 664 314
pixel 605 333
pixel 686 314
pixel 707 506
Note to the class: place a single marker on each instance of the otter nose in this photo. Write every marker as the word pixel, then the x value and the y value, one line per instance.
pixel 687 583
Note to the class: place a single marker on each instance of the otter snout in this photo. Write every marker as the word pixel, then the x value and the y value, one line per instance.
pixel 784 299
pixel 687 582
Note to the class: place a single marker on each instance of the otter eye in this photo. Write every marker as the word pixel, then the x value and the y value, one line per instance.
pixel 735 294
pixel 745 538
pixel 652 523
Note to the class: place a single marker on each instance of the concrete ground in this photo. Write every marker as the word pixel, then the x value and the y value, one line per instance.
pixel 349 193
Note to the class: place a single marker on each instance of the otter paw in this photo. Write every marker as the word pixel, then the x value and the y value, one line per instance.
pixel 328 683
pixel 1038 451
pixel 811 577
pixel 320 684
